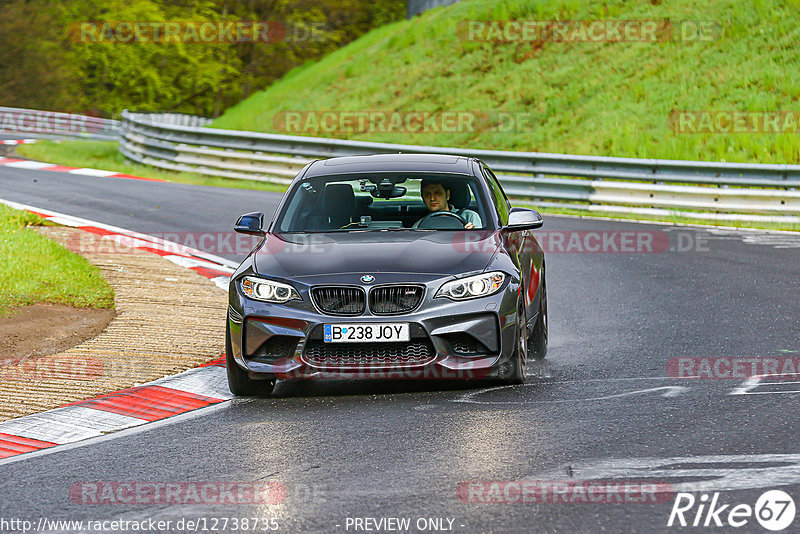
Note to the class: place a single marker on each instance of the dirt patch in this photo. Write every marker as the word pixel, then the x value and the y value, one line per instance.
pixel 43 329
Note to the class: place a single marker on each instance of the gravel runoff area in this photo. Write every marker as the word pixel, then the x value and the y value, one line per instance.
pixel 168 319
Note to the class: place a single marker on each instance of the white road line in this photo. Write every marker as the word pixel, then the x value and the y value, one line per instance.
pixel 582 380
pixel 669 391
pixel 749 475
pixel 760 237
pixel 747 387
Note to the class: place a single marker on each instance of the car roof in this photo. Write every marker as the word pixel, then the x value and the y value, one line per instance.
pixel 379 163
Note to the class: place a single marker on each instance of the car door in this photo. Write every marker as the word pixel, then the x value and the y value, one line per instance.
pixel 522 245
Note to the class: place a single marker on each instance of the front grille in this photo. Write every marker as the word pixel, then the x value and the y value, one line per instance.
pixel 340 300
pixel 390 300
pixel 390 354
pixel 276 347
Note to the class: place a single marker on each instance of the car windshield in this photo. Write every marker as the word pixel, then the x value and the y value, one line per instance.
pixel 383 202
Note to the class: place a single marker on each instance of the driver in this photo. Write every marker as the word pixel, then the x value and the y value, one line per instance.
pixel 436 196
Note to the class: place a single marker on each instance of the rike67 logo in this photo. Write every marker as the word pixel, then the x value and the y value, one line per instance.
pixel 774 510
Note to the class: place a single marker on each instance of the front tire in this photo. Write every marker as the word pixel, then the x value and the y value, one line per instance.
pixel 239 381
pixel 519 357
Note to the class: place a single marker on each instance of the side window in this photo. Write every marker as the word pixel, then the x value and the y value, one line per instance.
pixel 500 187
pixel 500 200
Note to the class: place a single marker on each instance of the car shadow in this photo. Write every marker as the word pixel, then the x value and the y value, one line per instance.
pixel 367 386
pixel 336 387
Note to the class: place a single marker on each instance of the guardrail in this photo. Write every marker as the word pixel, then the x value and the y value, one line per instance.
pixel 724 191
pixel 416 7
pixel 31 123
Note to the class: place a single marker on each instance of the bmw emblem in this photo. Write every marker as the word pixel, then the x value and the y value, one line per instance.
pixel 367 278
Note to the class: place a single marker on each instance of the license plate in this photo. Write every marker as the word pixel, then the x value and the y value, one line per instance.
pixel 362 333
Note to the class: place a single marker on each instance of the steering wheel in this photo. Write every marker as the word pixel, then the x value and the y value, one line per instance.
pixel 442 219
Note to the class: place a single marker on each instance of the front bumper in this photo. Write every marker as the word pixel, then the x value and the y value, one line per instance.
pixel 467 339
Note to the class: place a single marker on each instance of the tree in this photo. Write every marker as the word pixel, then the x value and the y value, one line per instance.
pixel 74 56
pixel 34 70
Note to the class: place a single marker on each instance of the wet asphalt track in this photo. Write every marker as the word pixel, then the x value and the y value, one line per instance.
pixel 602 406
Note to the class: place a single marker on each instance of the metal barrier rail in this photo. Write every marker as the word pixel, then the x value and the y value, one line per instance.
pixel 31 123
pixel 417 7
pixel 730 191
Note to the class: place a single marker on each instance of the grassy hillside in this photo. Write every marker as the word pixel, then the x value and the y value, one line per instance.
pixel 606 98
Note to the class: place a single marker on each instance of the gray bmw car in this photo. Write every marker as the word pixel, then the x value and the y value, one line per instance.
pixel 392 266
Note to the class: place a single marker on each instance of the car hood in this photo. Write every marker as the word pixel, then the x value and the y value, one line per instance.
pixel 412 252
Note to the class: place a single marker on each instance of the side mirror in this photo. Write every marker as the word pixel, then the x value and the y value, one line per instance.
pixel 523 219
pixel 250 223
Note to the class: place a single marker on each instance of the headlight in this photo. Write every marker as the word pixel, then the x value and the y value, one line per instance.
pixel 472 287
pixel 268 290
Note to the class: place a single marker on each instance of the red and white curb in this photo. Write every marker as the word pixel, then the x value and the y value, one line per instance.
pixel 91 418
pixel 173 395
pixel 42 166
pixel 213 267
pixel 17 141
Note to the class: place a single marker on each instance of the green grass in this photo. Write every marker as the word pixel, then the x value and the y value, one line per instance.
pixel 104 155
pixel 608 98
pixel 35 269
